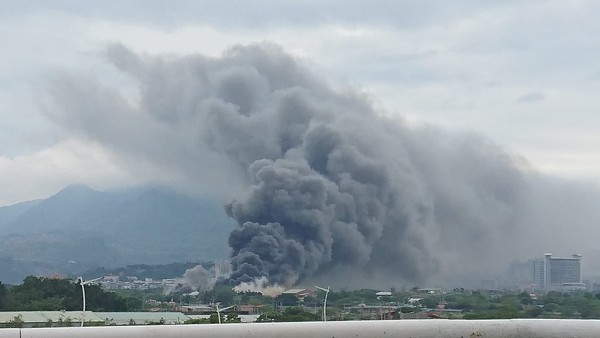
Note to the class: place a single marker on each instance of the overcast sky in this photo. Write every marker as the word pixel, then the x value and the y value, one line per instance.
pixel 523 73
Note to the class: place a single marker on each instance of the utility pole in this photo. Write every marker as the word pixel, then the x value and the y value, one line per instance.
pixel 83 284
pixel 223 309
pixel 324 301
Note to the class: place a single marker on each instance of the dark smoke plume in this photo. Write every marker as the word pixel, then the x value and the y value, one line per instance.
pixel 321 185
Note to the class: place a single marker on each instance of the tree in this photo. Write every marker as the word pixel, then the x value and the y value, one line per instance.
pixel 525 298
pixel 2 296
pixel 290 314
pixel 99 300
pixel 219 294
pixel 64 322
pixel 49 294
pixel 287 300
pixel 535 312
pixel 408 309
pixel 233 318
pixel 214 318
pixel 551 307
pixel 132 303
pixel 198 321
pixel 17 321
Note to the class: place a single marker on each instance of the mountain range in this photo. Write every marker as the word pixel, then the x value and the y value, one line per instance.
pixel 80 228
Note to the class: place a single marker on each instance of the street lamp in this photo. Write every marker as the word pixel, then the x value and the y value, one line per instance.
pixel 83 284
pixel 223 309
pixel 324 302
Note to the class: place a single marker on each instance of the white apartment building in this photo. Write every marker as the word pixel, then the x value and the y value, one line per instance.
pixel 558 273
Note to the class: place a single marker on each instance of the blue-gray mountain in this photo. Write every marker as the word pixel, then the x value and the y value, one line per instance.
pixel 80 228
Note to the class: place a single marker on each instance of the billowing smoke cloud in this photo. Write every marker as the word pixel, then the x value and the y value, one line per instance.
pixel 261 285
pixel 321 185
pixel 193 279
pixel 198 278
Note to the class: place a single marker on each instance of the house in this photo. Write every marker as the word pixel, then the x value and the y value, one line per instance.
pixel 249 309
pixel 195 308
pixel 300 293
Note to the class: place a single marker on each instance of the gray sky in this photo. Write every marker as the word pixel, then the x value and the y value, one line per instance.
pixel 522 73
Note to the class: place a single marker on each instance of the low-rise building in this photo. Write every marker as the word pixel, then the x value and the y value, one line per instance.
pixel 300 293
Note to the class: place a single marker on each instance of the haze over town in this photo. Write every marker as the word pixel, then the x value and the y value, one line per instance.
pixel 420 141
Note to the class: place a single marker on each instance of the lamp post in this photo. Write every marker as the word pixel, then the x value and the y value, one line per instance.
pixel 223 309
pixel 324 301
pixel 83 284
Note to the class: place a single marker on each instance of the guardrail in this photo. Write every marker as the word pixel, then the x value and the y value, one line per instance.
pixel 433 328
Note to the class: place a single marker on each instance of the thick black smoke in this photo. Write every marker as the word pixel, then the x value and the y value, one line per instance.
pixel 356 191
pixel 321 185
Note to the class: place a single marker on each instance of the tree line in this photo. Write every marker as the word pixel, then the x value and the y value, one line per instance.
pixel 51 294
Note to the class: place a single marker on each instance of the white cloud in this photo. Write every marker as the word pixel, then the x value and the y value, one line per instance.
pixel 43 173
pixel 462 66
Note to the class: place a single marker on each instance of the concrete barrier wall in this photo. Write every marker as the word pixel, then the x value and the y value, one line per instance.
pixel 438 328
pixel 10 333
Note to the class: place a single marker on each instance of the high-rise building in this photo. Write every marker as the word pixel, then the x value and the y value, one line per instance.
pixel 222 269
pixel 539 273
pixel 557 273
